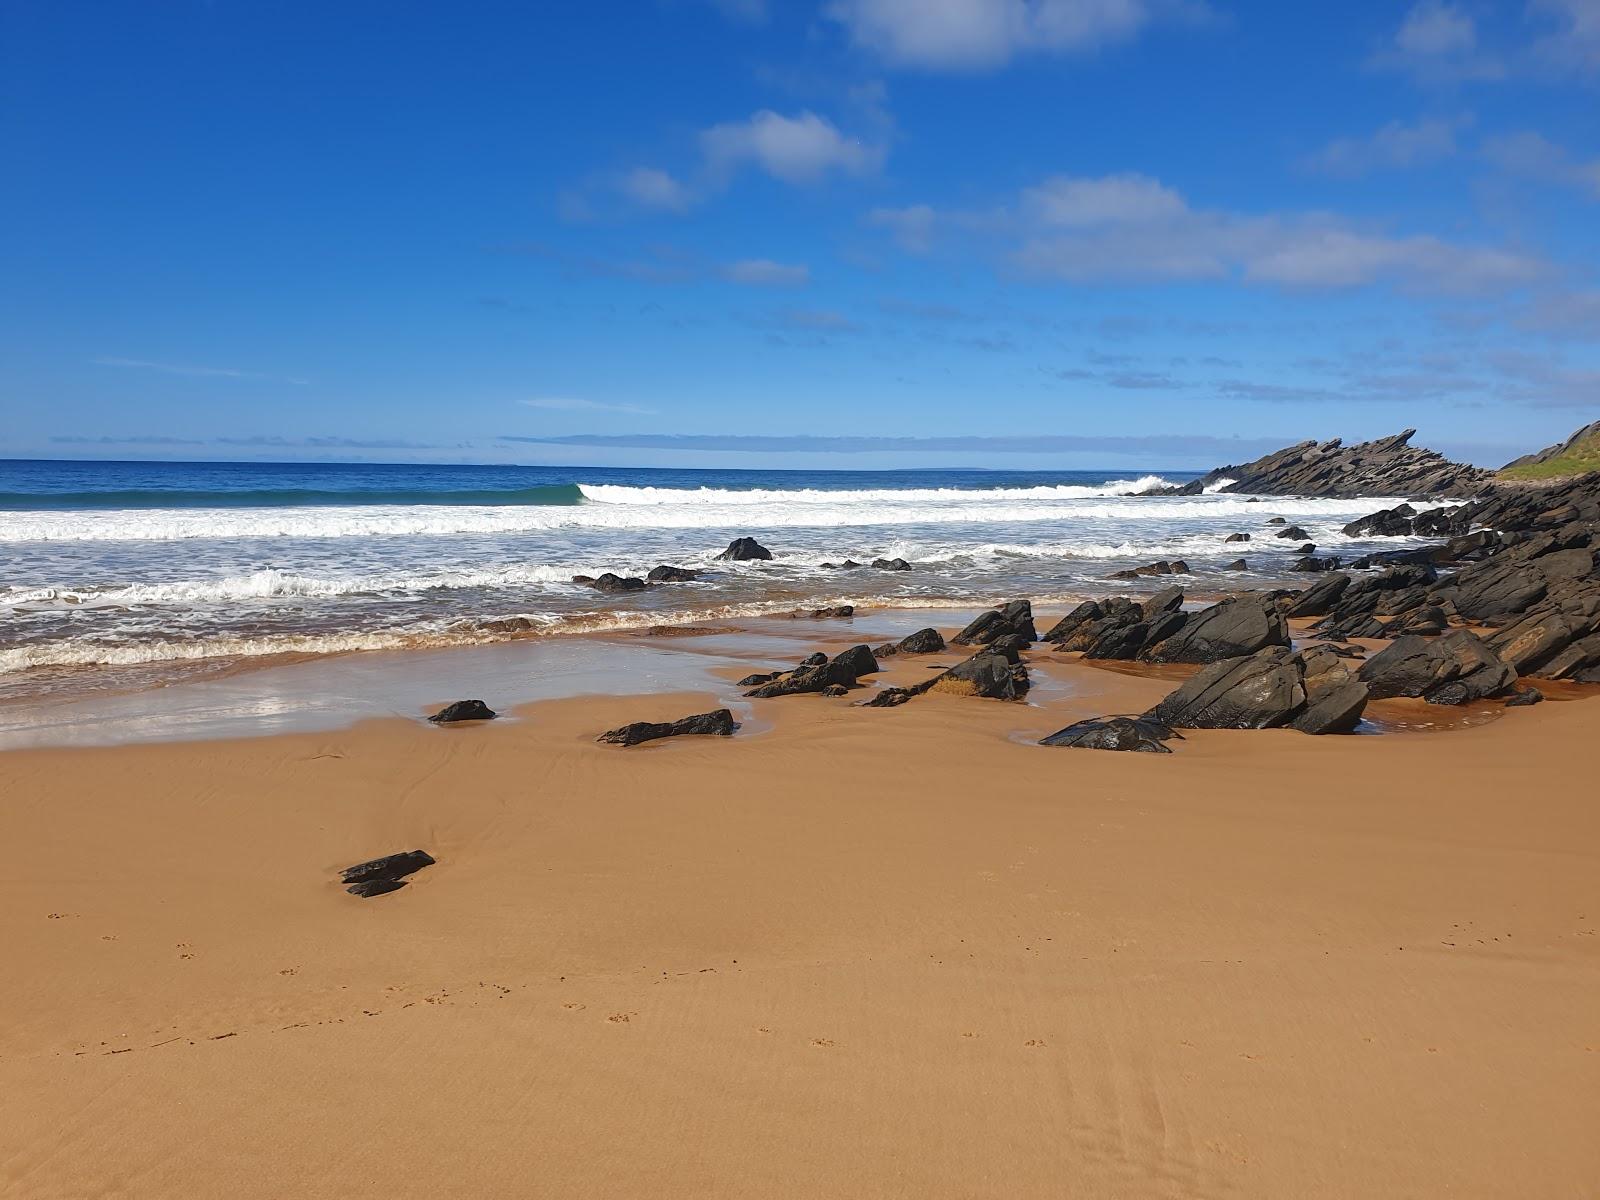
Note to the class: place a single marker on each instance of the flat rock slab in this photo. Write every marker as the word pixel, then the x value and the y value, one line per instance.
pixel 719 723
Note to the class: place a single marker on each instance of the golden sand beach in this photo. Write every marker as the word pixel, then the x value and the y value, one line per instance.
pixel 845 953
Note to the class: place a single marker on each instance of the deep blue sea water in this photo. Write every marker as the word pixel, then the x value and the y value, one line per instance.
pixel 111 565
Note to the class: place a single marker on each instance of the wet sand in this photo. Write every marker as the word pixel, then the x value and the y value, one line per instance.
pixel 846 953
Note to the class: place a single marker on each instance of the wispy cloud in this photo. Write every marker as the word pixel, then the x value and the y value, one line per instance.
pixel 140 364
pixel 974 35
pixel 575 404
pixel 800 149
pixel 1537 157
pixel 1395 145
pixel 763 272
pixel 1437 42
pixel 132 439
pixel 1217 449
pixel 1133 228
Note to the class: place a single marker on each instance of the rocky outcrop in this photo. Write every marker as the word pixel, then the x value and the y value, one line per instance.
pixel 823 614
pixel 463 710
pixel 1452 669
pixel 1275 687
pixel 923 641
pixel 1115 733
pixel 843 670
pixel 380 876
pixel 666 574
pixel 891 564
pixel 1236 626
pixel 719 723
pixel 1013 618
pixel 1162 567
pixel 988 674
pixel 1386 467
pixel 745 549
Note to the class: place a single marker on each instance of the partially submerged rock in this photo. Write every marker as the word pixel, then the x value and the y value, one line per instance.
pixel 843 670
pixel 667 574
pixel 719 723
pixel 745 549
pixel 611 582
pixel 891 564
pixel 379 876
pixel 463 710
pixel 1115 733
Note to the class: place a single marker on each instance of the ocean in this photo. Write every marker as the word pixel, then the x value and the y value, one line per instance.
pixel 140 572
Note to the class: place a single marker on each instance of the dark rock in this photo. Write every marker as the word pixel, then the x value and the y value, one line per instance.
pixel 666 574
pixel 1114 733
pixel 463 710
pixel 891 564
pixel 1119 642
pixel 610 582
pixel 584 579
pixel 1387 522
pixel 1239 625
pixel 719 723
pixel 1082 615
pixel 1277 520
pixel 1535 640
pixel 985 674
pixel 814 660
pixel 1295 532
pixel 744 549
pixel 923 641
pixel 1237 537
pixel 1570 662
pixel 1386 467
pixel 1168 599
pixel 758 680
pixel 1451 669
pixel 836 689
pixel 1163 567
pixel 1255 691
pixel 375 887
pixel 837 610
pixel 844 669
pixel 1318 599
pixel 378 876
pixel 1308 548
pixel 1428 621
pixel 846 565
pixel 1336 709
pixel 1524 698
pixel 1313 565
pixel 1015 617
pixel 1237 564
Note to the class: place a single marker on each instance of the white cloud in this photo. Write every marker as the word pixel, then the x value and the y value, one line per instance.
pixel 573 404
pixel 1395 145
pixel 979 34
pixel 1132 228
pixel 651 187
pixel 799 149
pixel 1438 42
pixel 1110 200
pixel 1534 155
pixel 763 272
pixel 1576 43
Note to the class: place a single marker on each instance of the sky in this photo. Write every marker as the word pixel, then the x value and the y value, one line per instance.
pixel 808 233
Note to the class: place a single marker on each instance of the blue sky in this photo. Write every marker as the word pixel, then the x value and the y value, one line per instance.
pixel 1098 232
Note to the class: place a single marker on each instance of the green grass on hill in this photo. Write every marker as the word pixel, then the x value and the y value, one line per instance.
pixel 1582 458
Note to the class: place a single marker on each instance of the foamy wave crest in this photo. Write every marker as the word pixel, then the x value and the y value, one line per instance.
pixel 274 585
pixel 761 497
pixel 670 510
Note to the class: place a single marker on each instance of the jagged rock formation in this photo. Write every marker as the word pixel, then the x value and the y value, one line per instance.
pixel 1578 455
pixel 719 723
pixel 1386 467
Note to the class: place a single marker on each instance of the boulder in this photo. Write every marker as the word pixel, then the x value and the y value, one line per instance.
pixel 758 680
pixel 1082 615
pixel 1333 709
pixel 610 582
pixel 1263 690
pixel 835 689
pixel 1237 537
pixel 1530 643
pixel 1451 669
pixel 821 614
pixel 891 564
pixel 1386 522
pixel 985 674
pixel 1295 532
pixel 846 565
pixel 745 549
pixel 844 669
pixel 379 876
pixel 1168 599
pixel 1237 564
pixel 1524 698
pixel 719 723
pixel 1115 733
pixel 463 710
pixel 1319 599
pixel 666 574
pixel 923 641
pixel 1239 625
pixel 1015 617
pixel 1313 565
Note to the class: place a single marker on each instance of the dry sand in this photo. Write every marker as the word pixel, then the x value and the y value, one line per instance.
pixel 853 953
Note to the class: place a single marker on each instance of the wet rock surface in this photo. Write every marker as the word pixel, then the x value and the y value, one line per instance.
pixel 463 710
pixel 717 723
pixel 379 876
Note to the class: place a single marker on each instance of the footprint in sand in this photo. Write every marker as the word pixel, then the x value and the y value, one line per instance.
pixel 825 1043
pixel 1034 1042
pixel 621 1018
pixel 574 1006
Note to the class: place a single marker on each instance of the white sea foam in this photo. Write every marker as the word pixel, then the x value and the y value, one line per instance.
pixel 669 510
